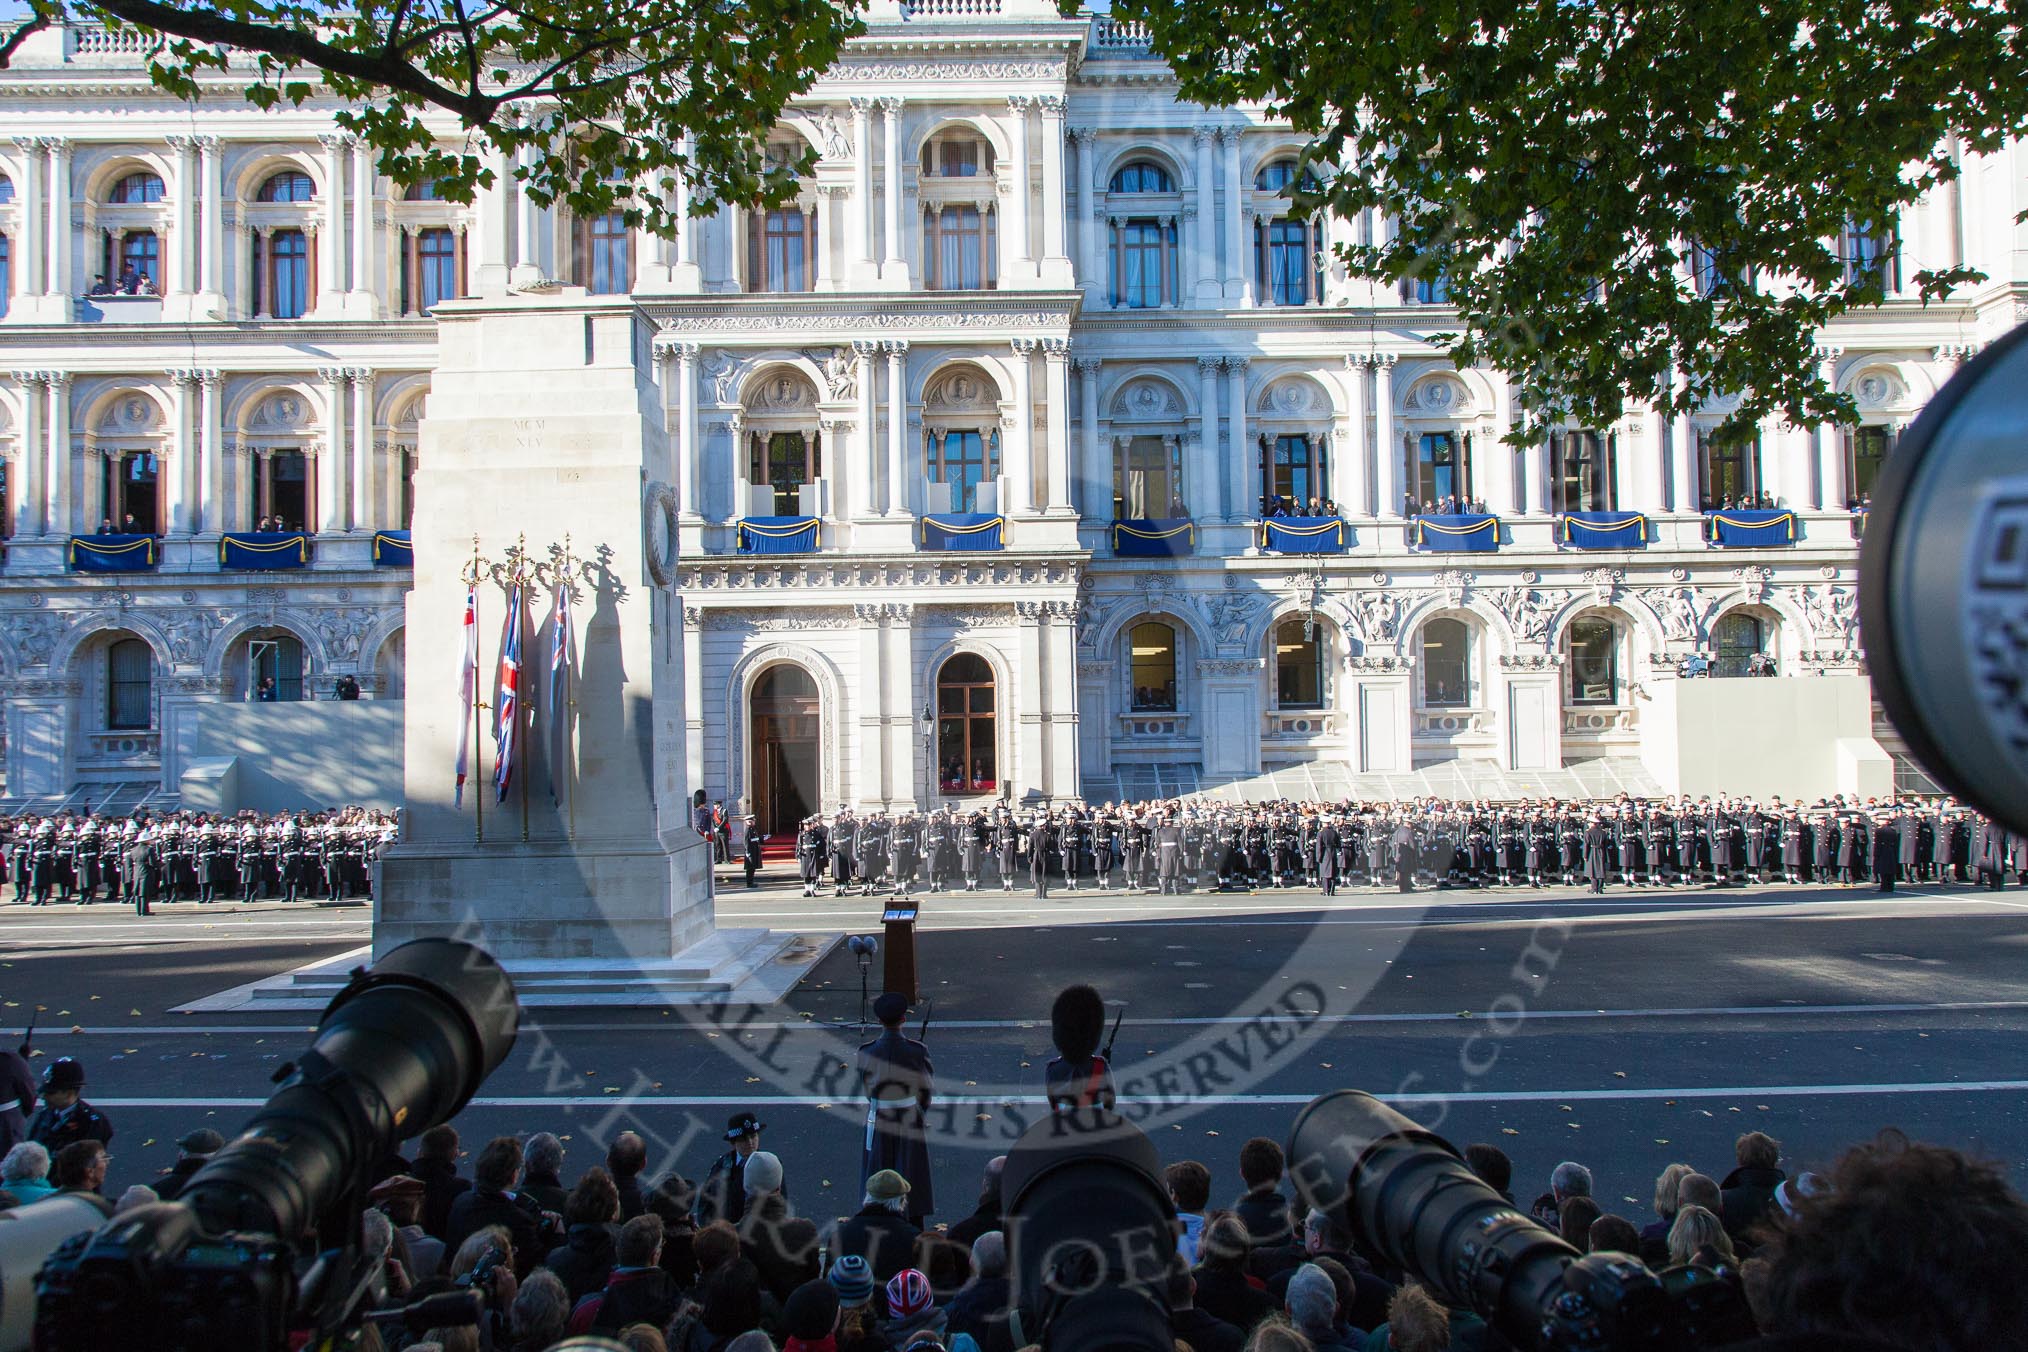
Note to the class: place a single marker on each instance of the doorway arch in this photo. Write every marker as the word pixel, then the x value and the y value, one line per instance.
pixel 784 717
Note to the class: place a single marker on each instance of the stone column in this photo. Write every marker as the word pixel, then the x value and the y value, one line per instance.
pixel 1029 698
pixel 1056 397
pixel 689 274
pixel 1017 264
pixel 1350 485
pixel 898 689
pixel 528 227
pixel 181 255
pixel 1020 437
pixel 210 228
pixel 864 470
pixel 870 703
pixel 1055 262
pixel 1682 455
pixel 61 283
pixel 894 267
pixel 1651 464
pixel 1088 234
pixel 1057 641
pixel 1088 438
pixel 214 504
pixel 331 239
pixel 1830 442
pixel 1387 466
pixel 1508 492
pixel 363 303
pixel 489 277
pixel 34 232
pixel 1206 494
pixel 182 495
pixel 862 191
pixel 691 504
pixel 330 459
pixel 897 426
pixel 32 465
pixel 60 474
pixel 1240 460
pixel 362 448
pixel 1235 197
pixel 1205 238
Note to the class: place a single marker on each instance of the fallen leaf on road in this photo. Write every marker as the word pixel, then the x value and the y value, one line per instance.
pixel 75 1029
pixel 753 1079
pixel 149 1141
pixel 1661 1140
pixel 1325 1064
pixel 135 1012
pixel 612 1089
pixel 1210 1133
pixel 1509 1131
pixel 1619 1075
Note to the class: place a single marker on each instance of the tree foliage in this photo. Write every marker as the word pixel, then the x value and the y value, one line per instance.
pixel 603 93
pixel 1578 169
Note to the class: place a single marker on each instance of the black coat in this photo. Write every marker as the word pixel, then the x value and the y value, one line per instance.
pixel 584 1261
pixel 980 1309
pixel 546 1190
pixel 1746 1196
pixel 1266 1213
pixel 480 1207
pixel 1205 1332
pixel 441 1187
pixel 1224 1293
pixel 886 1241
pixel 983 1218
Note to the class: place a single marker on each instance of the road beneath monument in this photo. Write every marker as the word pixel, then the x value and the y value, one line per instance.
pixel 1625 1031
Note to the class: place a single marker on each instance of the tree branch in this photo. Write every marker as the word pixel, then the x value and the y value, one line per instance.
pixel 35 24
pixel 298 46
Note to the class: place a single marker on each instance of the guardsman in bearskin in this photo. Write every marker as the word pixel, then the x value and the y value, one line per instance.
pixel 65 1117
pixel 1078 1076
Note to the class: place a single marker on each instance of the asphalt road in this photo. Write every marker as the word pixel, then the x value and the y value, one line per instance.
pixel 1626 1031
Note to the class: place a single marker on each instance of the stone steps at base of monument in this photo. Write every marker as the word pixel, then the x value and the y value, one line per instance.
pixel 732 966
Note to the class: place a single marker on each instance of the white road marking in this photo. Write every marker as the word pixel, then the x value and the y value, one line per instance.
pixel 1218 1100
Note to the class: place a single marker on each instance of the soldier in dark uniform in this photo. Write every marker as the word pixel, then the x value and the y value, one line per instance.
pixel 1069 845
pixel 1105 837
pixel 936 848
pixel 896 1075
pixel 1404 856
pixel 722 1195
pixel 1041 844
pixel 755 839
pixel 1328 842
pixel 1888 827
pixel 65 1117
pixel 901 854
pixel 811 844
pixel 972 849
pixel 1006 849
pixel 140 869
pixel 1597 843
pixel 1078 1077
pixel 868 849
pixel 1792 845
pixel 1169 857
pixel 843 834
pixel 1136 845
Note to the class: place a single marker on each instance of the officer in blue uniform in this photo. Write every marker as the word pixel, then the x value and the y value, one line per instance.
pixel 65 1117
pixel 896 1075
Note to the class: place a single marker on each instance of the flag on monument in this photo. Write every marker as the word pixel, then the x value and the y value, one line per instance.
pixel 468 686
pixel 559 688
pixel 507 707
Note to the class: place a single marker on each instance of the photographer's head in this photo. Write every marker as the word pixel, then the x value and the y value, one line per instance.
pixel 1899 1220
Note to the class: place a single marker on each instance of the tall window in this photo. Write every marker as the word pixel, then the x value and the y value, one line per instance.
pixel 605 255
pixel 1442 468
pixel 436 267
pixel 129 488
pixel 1148 479
pixel 136 189
pixel 964 460
pixel 784 461
pixel 279 489
pixel 1872 255
pixel 281 274
pixel 278 661
pixel 1584 471
pixel 1735 641
pixel 139 254
pixel 957 156
pixel 425 191
pixel 1299 665
pixel 1446 664
pixel 1287 258
pixel 6 272
pixel 1729 471
pixel 6 190
pixel 1152 665
pixel 1711 276
pixel 959 244
pixel 1431 286
pixel 1867 448
pixel 6 501
pixel 291 185
pixel 1142 176
pixel 1295 470
pixel 1144 265
pixel 130 679
pixel 407 504
pixel 966 762
pixel 782 250
pixel 1594 662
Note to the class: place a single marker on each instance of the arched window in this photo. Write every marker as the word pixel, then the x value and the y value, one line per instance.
pixel 1280 175
pixel 1299 664
pixel 278 490
pixel 291 185
pixel 6 190
pixel 1735 641
pixel 1294 470
pixel 1583 465
pixel 966 750
pixel 274 668
pixel 605 255
pixel 281 274
pixel 782 250
pixel 1152 665
pixel 1144 264
pixel 783 462
pixel 1729 469
pixel 1447 664
pixel 959 249
pixel 1594 661
pixel 1143 176
pixel 425 191
pixel 136 189
pixel 964 459
pixel 130 681
pixel 957 155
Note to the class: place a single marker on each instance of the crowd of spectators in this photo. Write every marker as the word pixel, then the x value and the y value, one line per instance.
pixel 1899 1246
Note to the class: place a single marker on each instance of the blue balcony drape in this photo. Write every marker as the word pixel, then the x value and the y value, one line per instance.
pixel 777 535
pixel 1604 530
pixel 1463 533
pixel 962 531
pixel 262 551
pixel 1158 538
pixel 111 553
pixel 1305 535
pixel 393 549
pixel 1746 528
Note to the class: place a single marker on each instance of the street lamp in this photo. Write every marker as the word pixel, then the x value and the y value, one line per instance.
pixel 929 755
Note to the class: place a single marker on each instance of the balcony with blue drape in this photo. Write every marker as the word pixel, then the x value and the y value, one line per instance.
pixel 263 551
pixel 1305 535
pixel 1750 528
pixel 393 549
pixel 777 535
pixel 1460 533
pixel 1155 538
pixel 962 532
pixel 1603 530
pixel 111 554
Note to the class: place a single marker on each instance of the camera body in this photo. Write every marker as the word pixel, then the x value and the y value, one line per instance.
pixel 153 1279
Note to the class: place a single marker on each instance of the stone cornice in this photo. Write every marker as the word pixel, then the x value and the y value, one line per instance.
pixel 1040 313
pixel 226 333
pixel 706 578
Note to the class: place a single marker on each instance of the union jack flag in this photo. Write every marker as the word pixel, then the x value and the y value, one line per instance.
pixel 468 687
pixel 559 686
pixel 507 707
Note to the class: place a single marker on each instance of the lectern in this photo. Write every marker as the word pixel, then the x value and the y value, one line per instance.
pixel 899 973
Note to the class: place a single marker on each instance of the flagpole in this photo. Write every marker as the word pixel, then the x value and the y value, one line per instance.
pixel 565 737
pixel 479 798
pixel 522 573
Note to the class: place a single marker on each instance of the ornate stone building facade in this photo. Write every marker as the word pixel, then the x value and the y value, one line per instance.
pixel 1026 296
